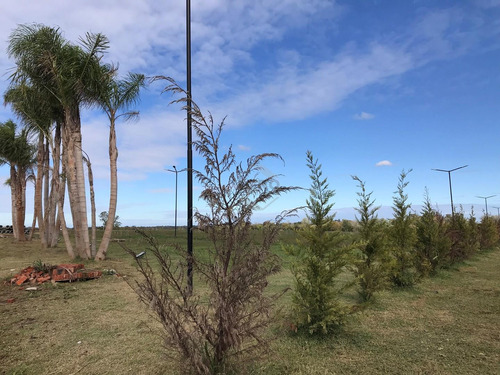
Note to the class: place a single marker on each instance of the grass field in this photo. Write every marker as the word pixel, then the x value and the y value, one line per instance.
pixel 449 324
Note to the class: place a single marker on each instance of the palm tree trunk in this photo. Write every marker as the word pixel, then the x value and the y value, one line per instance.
pixel 92 207
pixel 13 195
pixel 46 186
pixel 38 215
pixel 72 116
pixel 113 194
pixel 64 228
pixel 71 178
pixel 33 222
pixel 60 225
pixel 56 189
pixel 81 196
pixel 20 199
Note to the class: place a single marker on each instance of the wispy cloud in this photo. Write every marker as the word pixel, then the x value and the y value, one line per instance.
pixel 383 163
pixel 232 77
pixel 243 148
pixel 363 116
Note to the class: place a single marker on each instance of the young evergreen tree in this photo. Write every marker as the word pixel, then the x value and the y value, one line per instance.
pixel 432 245
pixel 322 254
pixel 489 233
pixel 473 234
pixel 403 237
pixel 371 263
pixel 457 233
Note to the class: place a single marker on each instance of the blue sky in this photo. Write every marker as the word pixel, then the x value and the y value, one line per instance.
pixel 370 87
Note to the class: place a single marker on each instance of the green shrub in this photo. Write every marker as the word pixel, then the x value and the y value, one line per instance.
pixel 465 236
pixel 433 246
pixel 489 232
pixel 347 226
pixel 371 264
pixel 321 256
pixel 473 235
pixel 403 237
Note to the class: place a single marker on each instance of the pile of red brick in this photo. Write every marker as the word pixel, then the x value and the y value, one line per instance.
pixel 61 272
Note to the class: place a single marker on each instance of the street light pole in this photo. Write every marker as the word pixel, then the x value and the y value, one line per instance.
pixel 189 153
pixel 486 201
pixel 449 179
pixel 176 173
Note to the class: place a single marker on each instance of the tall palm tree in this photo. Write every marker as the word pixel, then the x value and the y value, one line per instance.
pixel 71 75
pixel 117 95
pixel 18 153
pixel 37 114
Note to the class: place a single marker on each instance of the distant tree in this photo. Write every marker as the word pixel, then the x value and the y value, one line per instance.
pixel 464 235
pixel 347 226
pixel 371 264
pixel 403 237
pixel 489 233
pixel 321 256
pixel 473 234
pixel 103 216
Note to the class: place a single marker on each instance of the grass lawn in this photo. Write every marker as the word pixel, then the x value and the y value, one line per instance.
pixel 449 324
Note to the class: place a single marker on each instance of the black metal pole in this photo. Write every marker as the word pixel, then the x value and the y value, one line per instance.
pixel 189 152
pixel 175 227
pixel 451 196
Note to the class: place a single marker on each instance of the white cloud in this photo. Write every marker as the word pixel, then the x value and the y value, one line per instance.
pixel 243 148
pixel 383 163
pixel 363 116
pixel 230 77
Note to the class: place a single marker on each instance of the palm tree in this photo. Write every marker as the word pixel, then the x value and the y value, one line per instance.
pixel 117 95
pixel 18 153
pixel 72 75
pixel 37 114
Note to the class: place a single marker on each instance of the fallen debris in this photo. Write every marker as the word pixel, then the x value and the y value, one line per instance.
pixel 61 272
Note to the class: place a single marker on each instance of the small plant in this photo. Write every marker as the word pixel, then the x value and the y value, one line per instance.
pixel 371 264
pixel 39 266
pixel 321 256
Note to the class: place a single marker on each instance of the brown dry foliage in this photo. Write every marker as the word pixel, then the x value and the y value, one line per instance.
pixel 209 330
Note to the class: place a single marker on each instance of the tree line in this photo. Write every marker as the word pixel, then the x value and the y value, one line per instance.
pixel 52 81
pixel 377 253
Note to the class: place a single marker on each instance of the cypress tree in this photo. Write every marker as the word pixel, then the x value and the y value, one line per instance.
pixel 371 263
pixel 321 256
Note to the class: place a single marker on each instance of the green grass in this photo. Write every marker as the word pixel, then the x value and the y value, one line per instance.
pixel 449 324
